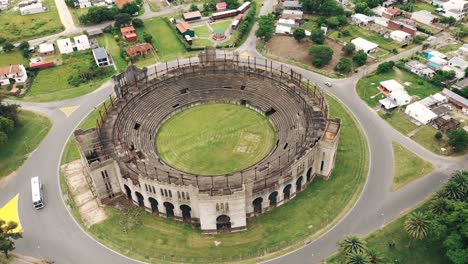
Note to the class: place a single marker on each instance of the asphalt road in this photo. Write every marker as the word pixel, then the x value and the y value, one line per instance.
pixel 53 234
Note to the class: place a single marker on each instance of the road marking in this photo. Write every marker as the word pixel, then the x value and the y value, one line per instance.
pixel 69 110
pixel 9 212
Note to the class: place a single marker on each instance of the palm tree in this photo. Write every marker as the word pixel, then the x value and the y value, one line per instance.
pixel 438 205
pixel 374 256
pixel 417 226
pixel 461 179
pixel 353 244
pixel 357 258
pixel 452 191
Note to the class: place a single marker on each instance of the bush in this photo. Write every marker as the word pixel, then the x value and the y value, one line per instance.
pixel 458 139
pixel 349 48
pixel 385 67
pixel 321 55
pixel 345 65
pixel 7 47
pixel 360 58
pixel 317 36
pixel 438 135
pixel 138 23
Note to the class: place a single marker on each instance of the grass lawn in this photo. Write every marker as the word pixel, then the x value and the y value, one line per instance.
pixel 355 32
pixel 107 41
pixel 398 120
pixel 419 5
pixel 201 43
pixel 407 166
pixel 215 139
pixel 77 12
pixel 310 212
pixel 202 31
pixel 449 47
pixel 223 24
pixel 367 87
pixel 52 84
pixel 27 137
pixel 16 28
pixel 425 137
pixel 164 40
pixel 12 57
pixel 419 251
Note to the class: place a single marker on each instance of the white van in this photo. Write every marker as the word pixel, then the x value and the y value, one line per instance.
pixel 37 196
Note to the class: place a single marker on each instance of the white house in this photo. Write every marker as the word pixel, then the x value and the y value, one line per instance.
pixel 31 9
pixel 46 49
pixel 101 57
pixel 456 5
pixel 81 42
pixel 16 72
pixel 458 62
pixel 458 15
pixel 381 21
pixel 420 113
pixel 287 22
pixel 436 62
pixel 4 5
pixel 283 29
pixel 400 36
pixel 424 16
pixel 65 46
pixel 365 45
pixel 360 19
pixel 463 50
pixel 83 3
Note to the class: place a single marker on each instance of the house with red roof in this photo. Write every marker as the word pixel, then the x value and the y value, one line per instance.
pixel 221 6
pixel 129 33
pixel 15 72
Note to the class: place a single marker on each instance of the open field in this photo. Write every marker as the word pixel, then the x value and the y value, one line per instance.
pixel 420 5
pixel 222 24
pixel 164 40
pixel 449 48
pixel 107 41
pixel 12 57
pixel 309 212
pixel 33 128
pixel 202 31
pixel 405 251
pixel 16 28
pixel 355 32
pixel 215 139
pixel 52 84
pixel 201 43
pixel 407 166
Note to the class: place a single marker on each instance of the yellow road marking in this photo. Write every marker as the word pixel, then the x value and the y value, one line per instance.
pixel 69 110
pixel 9 212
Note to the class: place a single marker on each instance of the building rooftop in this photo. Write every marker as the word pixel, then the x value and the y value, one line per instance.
pixel 126 30
pixel 183 26
pixel 138 49
pixel 46 47
pixel 191 15
pixel 392 85
pixel 363 43
pixel 121 3
pixel 100 53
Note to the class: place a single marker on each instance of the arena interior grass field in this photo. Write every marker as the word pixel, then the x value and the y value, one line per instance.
pixel 215 139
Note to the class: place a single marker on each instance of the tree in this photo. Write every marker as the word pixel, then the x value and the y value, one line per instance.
pixel 193 7
pixel 458 139
pixel 417 225
pixel 419 39
pixel 345 65
pixel 8 47
pixel 385 67
pixel 375 256
pixel 353 244
pixel 299 34
pixel 138 23
pixel 357 258
pixel 232 4
pixel 452 191
pixel 130 8
pixel 98 14
pixel 266 27
pixel 70 3
pixel 7 235
pixel 461 180
pixel 317 36
pixel 349 48
pixel 148 38
pixel 447 20
pixel 438 205
pixel 438 135
pixel 360 58
pixel 24 45
pixel 122 20
pixel 321 55
pixel 333 22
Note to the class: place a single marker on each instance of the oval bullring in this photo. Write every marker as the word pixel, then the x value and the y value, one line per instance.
pixel 122 158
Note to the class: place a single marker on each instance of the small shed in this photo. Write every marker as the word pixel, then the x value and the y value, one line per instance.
pixel 400 36
pixel 184 28
pixel 221 6
pixel 283 29
pixel 32 9
pixel 424 16
pixel 190 16
pixel 365 45
pixel 390 86
pixel 101 57
pixel 129 33
pixel 46 49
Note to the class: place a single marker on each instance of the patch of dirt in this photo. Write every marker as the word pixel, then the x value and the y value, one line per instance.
pixel 288 48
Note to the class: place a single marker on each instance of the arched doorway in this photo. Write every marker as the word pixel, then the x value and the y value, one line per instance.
pixel 128 191
pixel 223 223
pixel 154 205
pixel 186 215
pixel 169 209
pixel 140 199
pixel 309 174
pixel 257 205
pixel 287 192
pixel 299 184
pixel 273 197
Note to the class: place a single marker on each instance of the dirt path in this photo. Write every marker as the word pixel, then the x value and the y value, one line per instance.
pixel 399 74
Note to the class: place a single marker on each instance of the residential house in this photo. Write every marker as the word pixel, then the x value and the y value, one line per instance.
pixel 101 57
pixel 360 19
pixel 4 5
pixel 46 49
pixel 400 36
pixel 419 69
pixel 280 29
pixel 82 3
pixel 433 53
pixel 390 86
pixel 458 15
pixel 221 6
pixel 395 99
pixel 129 33
pixel 397 25
pixel 420 113
pixel 139 49
pixel 436 62
pixel 65 46
pixel 81 42
pixel 456 100
pixel 16 72
pixel 457 62
pixel 391 13
pixel 121 3
pixel 287 22
pixel 459 73
pixel 462 84
pixel 381 21
pixel 463 50
pixel 190 16
pixel 292 5
pixel 424 16
pixel 32 9
pixel 293 14
pixel 185 28
pixel 365 45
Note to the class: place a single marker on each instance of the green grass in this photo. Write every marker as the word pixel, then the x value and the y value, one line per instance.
pixel 418 88
pixel 4 260
pixel 202 31
pixel 314 210
pixel 223 24
pixel 419 5
pixel 425 137
pixel 12 57
pixel 107 41
pixel 407 166
pixel 398 120
pixel 419 251
pixel 16 28
pixel 76 13
pixel 164 40
pixel 449 47
pixel 201 43
pixel 215 139
pixel 355 32
pixel 51 84
pixel 33 129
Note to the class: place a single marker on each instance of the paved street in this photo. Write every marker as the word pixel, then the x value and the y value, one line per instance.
pixel 53 234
